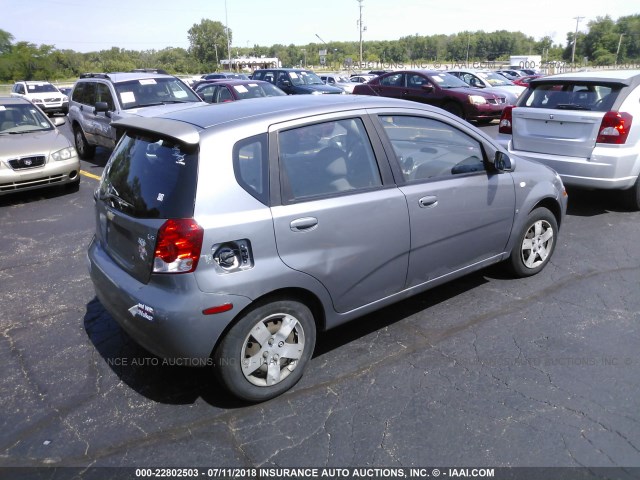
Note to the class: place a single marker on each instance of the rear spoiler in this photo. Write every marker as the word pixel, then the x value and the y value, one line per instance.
pixel 180 131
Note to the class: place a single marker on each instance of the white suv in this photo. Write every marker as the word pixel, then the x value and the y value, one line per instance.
pixel 43 95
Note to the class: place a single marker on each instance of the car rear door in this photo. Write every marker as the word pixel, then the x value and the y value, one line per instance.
pixel 337 213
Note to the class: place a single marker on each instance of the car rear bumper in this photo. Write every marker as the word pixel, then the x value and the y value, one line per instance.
pixel 610 169
pixel 52 173
pixel 164 316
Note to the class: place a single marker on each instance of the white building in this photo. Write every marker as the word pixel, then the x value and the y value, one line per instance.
pixel 250 63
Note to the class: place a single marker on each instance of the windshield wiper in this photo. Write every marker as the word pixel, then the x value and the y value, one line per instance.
pixel 112 194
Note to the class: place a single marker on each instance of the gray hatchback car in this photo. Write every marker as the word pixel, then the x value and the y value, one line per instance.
pixel 231 234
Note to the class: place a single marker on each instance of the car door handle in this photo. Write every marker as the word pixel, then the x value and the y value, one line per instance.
pixel 429 201
pixel 304 224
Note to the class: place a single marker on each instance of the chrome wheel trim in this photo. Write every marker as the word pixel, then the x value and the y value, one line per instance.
pixel 272 349
pixel 537 244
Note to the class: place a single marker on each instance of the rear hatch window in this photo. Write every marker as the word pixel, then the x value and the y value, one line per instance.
pixel 562 117
pixel 147 180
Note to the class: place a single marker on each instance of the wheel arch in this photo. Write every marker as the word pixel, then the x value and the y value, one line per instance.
pixel 552 205
pixel 301 295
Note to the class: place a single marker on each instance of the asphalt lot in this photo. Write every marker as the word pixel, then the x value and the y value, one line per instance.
pixel 486 371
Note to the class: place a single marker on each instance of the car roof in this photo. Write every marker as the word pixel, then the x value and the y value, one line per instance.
pixel 232 81
pixel 626 76
pixel 186 125
pixel 117 77
pixel 14 101
pixel 34 82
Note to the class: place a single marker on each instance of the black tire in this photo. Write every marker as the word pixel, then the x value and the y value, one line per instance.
pixel 454 109
pixel 257 360
pixel 631 197
pixel 85 151
pixel 536 243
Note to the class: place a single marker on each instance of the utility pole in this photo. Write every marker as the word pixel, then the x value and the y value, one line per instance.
pixel 226 21
pixel 618 50
pixel 575 40
pixel 360 27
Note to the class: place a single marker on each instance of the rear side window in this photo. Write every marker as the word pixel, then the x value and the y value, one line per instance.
pixel 251 166
pixel 598 97
pixel 325 159
pixel 151 177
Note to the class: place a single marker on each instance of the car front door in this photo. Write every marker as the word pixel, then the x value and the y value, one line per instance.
pixel 338 215
pixel 461 211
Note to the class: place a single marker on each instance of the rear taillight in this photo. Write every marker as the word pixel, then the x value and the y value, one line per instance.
pixel 506 121
pixel 178 246
pixel 614 128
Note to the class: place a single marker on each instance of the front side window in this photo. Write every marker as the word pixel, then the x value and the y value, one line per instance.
pixel 427 148
pixel 103 94
pixel 326 158
pixel 565 95
pixel 151 177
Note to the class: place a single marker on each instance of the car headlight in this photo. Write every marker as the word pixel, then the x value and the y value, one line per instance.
pixel 477 99
pixel 65 98
pixel 315 92
pixel 64 154
pixel 36 100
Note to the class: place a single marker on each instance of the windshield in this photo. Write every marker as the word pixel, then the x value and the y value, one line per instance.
pixel 495 79
pixel 305 78
pixel 446 80
pixel 41 88
pixel 15 119
pixel 154 91
pixel 256 90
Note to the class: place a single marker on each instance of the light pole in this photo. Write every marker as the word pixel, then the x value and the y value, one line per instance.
pixel 226 21
pixel 360 28
pixel 575 40
pixel 618 50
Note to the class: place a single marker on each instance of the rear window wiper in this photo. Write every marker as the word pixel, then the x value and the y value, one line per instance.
pixel 112 194
pixel 571 106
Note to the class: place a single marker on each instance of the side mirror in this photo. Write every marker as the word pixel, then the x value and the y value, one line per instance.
pixel 101 107
pixel 502 162
pixel 427 87
pixel 58 121
pixel 285 83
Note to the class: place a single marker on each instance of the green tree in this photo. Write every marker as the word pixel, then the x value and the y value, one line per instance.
pixel 208 41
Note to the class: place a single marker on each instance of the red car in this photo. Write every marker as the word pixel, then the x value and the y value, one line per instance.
pixel 220 91
pixel 524 81
pixel 439 89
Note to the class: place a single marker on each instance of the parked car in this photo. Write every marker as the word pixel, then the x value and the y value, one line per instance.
pixel 511 74
pixel 42 94
pixel 439 89
pixel 225 75
pixel 524 81
pixel 295 81
pixel 33 153
pixel 364 78
pixel 581 125
pixel 340 81
pixel 231 235
pixel 99 99
pixel 220 91
pixel 490 82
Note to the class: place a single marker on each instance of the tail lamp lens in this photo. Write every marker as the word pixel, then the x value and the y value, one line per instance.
pixel 178 246
pixel 614 128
